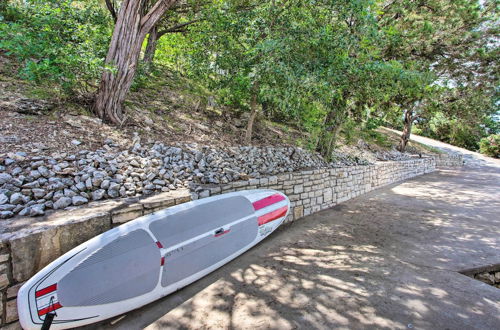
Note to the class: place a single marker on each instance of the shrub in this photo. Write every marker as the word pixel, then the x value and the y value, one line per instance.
pixel 57 41
pixel 490 146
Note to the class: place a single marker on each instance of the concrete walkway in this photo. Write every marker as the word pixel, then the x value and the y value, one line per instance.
pixel 385 260
pixel 471 158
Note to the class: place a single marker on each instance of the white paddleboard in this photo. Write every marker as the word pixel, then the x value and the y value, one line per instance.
pixel 148 258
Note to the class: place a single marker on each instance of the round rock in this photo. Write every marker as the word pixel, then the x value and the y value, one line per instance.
pixel 37 210
pixel 79 200
pixel 62 203
pixel 4 178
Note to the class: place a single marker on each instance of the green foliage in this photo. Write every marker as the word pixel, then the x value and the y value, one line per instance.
pixel 322 66
pixel 63 42
pixel 490 146
pixel 465 63
pixel 349 131
pixel 454 131
pixel 373 123
pixel 378 138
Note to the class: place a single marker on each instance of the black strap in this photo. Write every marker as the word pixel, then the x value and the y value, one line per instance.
pixel 49 317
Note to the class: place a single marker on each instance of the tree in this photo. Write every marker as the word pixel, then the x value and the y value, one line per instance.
pixel 346 65
pixel 453 40
pixel 461 116
pixel 247 55
pixel 133 22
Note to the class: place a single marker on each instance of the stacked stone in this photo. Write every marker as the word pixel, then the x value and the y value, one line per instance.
pixel 449 160
pixel 489 277
pixel 313 190
pixel 7 292
pixel 31 185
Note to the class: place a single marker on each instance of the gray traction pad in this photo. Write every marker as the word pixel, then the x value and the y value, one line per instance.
pixel 200 219
pixel 127 267
pixel 201 254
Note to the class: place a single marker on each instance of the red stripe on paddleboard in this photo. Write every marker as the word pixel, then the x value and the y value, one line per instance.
pixel 260 204
pixel 49 309
pixel 224 232
pixel 162 261
pixel 46 290
pixel 271 216
pixel 160 246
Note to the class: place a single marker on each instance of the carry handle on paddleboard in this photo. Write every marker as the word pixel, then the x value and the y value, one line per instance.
pixel 49 317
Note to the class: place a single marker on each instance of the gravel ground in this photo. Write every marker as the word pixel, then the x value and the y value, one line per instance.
pixel 388 259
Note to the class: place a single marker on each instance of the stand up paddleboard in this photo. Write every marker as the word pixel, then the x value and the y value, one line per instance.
pixel 148 258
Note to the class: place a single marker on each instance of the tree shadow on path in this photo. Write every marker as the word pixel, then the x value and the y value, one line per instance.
pixel 385 260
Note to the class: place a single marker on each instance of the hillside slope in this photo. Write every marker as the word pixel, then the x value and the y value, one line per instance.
pixel 35 120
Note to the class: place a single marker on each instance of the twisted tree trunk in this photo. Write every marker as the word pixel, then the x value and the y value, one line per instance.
pixel 408 123
pixel 132 25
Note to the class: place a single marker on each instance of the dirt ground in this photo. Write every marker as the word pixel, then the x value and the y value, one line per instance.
pixel 41 120
pixel 388 260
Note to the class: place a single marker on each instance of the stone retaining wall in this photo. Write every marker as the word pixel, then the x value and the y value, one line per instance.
pixel 28 244
pixel 316 190
pixel 449 160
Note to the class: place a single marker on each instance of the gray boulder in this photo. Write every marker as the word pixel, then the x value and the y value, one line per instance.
pixel 105 184
pixel 16 198
pixel 44 171
pixel 98 194
pixel 4 178
pixel 114 186
pixel 25 211
pixel 38 193
pixel 3 199
pixel 69 193
pixel 37 210
pixel 6 214
pixel 7 207
pixel 113 193
pixel 80 186
pixel 79 200
pixel 62 203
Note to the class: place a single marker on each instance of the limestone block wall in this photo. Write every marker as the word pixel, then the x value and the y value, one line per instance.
pixel 28 244
pixel 449 160
pixel 315 190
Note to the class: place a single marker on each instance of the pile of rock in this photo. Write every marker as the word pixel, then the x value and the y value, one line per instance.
pixel 341 159
pixel 489 277
pixel 30 185
pixel 393 155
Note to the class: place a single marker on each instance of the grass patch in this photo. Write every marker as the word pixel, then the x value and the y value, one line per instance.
pixel 351 133
pixel 372 136
pixel 426 147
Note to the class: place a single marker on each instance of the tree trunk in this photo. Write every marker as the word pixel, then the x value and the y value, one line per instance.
pixel 149 54
pixel 254 109
pixel 333 122
pixel 405 137
pixel 131 27
pixel 328 136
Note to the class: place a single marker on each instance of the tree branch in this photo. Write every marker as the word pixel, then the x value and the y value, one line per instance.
pixel 154 14
pixel 110 4
pixel 176 28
